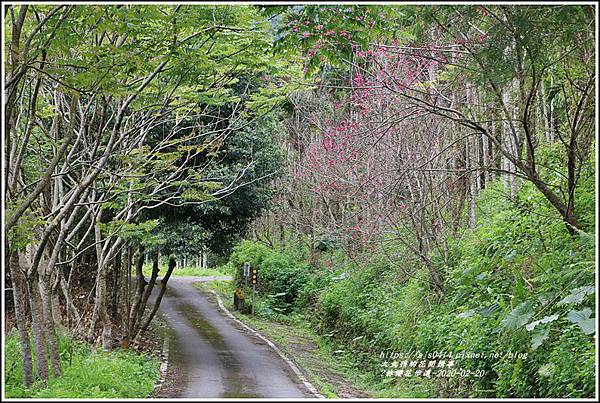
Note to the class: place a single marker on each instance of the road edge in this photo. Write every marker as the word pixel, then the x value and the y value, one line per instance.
pixel 164 366
pixel 289 362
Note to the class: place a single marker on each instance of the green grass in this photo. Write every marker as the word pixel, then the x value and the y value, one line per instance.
pixel 325 357
pixel 87 373
pixel 222 287
pixel 184 271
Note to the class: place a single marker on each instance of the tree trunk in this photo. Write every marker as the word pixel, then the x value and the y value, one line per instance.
pixel 281 236
pixel 472 175
pixel 106 330
pixel 506 142
pixel 44 287
pixel 163 288
pixel 72 311
pixel 516 152
pixel 37 321
pixel 140 284
pixel 56 310
pixel 106 321
pixel 567 213
pixel 116 289
pixel 487 177
pixel 124 300
pixel 18 298
pixel 98 295
pixel 142 306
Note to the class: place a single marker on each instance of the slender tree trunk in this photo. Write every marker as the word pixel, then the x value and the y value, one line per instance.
pixel 515 151
pixel 116 286
pixel 507 142
pixel 487 177
pixel 98 283
pixel 124 300
pixel 281 236
pixel 552 120
pixel 19 300
pixel 471 157
pixel 140 284
pixel 56 310
pixel 142 306
pixel 106 321
pixel 49 328
pixel 567 213
pixel 163 288
pixel 37 323
pixel 72 311
pixel 545 114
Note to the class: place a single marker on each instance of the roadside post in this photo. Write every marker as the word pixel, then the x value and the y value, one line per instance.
pixel 239 299
pixel 239 293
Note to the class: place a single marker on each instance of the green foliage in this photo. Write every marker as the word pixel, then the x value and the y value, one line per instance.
pixel 129 231
pixel 517 285
pixel 180 238
pixel 518 316
pixel 583 320
pixel 21 235
pixel 327 27
pixel 247 251
pixel 528 286
pixel 87 373
pixel 243 164
pixel 281 278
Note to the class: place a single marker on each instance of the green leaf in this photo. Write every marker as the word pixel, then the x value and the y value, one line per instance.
pixel 487 311
pixel 538 337
pixel 583 320
pixel 518 316
pixel 466 314
pixel 577 295
pixel 520 289
pixel 545 319
pixel 510 256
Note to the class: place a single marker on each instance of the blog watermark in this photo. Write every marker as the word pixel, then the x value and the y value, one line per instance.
pixel 438 364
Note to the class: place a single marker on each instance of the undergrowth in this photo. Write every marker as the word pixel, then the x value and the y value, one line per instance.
pixel 87 372
pixel 517 308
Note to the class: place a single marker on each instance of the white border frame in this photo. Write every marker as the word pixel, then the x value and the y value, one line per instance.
pixel 592 3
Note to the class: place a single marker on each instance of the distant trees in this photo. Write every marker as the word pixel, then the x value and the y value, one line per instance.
pixel 418 108
pixel 114 116
pixel 239 170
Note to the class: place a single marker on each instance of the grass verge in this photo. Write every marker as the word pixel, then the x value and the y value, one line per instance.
pixel 183 271
pixel 87 372
pixel 332 368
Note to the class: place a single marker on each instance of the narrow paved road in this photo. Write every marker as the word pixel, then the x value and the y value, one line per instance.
pixel 213 358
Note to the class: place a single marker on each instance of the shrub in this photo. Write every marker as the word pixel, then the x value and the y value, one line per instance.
pixel 281 278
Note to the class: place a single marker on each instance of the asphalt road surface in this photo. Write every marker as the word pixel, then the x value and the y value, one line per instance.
pixel 213 357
